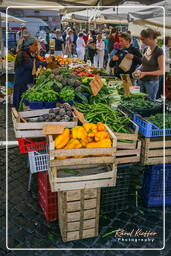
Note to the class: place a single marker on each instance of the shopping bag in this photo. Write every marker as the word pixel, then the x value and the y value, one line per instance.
pixel 125 64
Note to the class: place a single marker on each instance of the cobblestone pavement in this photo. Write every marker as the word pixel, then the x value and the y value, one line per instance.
pixel 27 227
pixel 11 135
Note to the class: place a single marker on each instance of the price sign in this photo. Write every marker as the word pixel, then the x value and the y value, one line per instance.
pixel 79 115
pixel 53 129
pixel 96 85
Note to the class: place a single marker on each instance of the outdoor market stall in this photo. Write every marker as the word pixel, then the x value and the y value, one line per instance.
pixel 89 137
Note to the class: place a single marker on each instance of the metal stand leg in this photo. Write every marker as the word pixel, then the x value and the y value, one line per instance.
pixel 29 183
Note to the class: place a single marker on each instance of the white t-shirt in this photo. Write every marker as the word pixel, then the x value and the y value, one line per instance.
pixel 80 43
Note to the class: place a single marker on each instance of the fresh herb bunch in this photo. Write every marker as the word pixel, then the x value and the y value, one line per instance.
pixel 67 93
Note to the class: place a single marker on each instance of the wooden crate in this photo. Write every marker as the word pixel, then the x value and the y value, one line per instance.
pixel 132 137
pixel 152 150
pixel 124 156
pixel 34 129
pixel 90 176
pixel 79 213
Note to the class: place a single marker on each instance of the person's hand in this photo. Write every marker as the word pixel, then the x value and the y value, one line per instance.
pixel 115 58
pixel 142 74
pixel 129 56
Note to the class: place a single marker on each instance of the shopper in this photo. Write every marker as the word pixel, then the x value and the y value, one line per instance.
pixel 99 56
pixel 113 37
pixel 80 46
pixel 152 63
pixel 25 63
pixel 69 44
pixel 59 44
pixel 127 51
pixel 105 36
pixel 91 45
pixel 25 35
pixel 167 54
pixel 166 49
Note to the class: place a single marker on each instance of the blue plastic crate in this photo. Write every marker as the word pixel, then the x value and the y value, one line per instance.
pixel 149 129
pixel 36 104
pixel 152 189
pixel 50 104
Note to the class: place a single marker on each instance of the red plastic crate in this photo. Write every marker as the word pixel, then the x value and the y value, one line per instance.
pixel 47 199
pixel 30 144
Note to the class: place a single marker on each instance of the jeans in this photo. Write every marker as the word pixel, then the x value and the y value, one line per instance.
pixel 149 87
pixel 58 53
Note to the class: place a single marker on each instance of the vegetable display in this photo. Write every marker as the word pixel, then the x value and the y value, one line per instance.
pixel 103 113
pixel 159 121
pixel 89 135
pixel 62 113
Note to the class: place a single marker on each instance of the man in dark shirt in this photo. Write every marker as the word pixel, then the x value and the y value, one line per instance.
pixel 59 44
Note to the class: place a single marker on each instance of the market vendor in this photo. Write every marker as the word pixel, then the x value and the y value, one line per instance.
pixel 152 63
pixel 25 65
pixel 127 51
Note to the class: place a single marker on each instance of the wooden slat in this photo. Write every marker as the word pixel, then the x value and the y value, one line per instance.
pixel 40 125
pixel 159 153
pixel 73 216
pixel 73 206
pixel 73 226
pixel 90 203
pixel 89 223
pixel 81 161
pixel 84 178
pixel 132 159
pixel 82 184
pixel 88 214
pixel 90 193
pixel 29 134
pixel 124 145
pixel 73 195
pixel 159 144
pixel 89 233
pixel 126 136
pixel 126 152
pixel 82 151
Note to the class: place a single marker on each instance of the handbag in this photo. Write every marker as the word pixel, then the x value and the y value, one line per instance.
pixel 125 64
pixel 92 46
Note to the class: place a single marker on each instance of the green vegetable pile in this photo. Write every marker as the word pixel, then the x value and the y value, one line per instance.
pixel 67 93
pixel 159 121
pixel 103 113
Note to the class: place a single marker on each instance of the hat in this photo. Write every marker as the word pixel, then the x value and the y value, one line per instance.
pixel 26 32
pixel 29 41
pixel 23 25
pixel 58 31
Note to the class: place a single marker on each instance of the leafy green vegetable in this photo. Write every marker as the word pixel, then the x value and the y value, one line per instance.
pixel 67 93
pixel 158 120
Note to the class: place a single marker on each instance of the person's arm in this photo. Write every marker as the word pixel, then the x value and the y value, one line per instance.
pixel 155 73
pixel 84 45
pixel 135 56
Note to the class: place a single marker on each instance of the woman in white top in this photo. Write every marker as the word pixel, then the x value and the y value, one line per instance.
pixel 99 57
pixel 80 46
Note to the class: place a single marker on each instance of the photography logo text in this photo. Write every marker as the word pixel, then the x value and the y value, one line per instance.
pixel 135 235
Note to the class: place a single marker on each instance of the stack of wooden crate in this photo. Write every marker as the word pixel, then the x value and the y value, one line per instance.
pixel 79 194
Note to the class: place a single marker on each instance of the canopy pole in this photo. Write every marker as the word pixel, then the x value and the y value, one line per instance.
pixel 1 37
